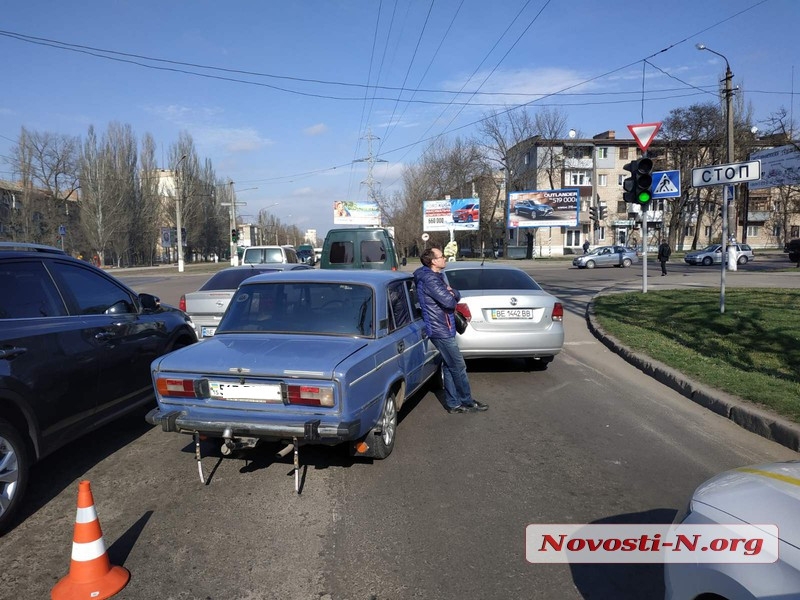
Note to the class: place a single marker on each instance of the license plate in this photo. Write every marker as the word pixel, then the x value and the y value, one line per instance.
pixel 511 313
pixel 207 331
pixel 246 392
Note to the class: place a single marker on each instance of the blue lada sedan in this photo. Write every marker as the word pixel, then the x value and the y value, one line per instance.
pixel 302 357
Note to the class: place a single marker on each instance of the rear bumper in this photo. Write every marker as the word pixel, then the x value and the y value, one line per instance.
pixel 310 429
pixel 511 344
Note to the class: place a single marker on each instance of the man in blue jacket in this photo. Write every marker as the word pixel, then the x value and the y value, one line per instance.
pixel 438 302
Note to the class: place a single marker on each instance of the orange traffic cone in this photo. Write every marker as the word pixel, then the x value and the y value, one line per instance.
pixel 90 574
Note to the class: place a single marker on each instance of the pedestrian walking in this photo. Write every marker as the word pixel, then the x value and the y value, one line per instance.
pixel 438 302
pixel 663 255
pixel 586 247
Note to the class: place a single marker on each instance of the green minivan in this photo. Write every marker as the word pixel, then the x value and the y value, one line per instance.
pixel 359 248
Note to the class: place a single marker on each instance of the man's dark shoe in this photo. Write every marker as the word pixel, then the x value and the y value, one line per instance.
pixel 457 409
pixel 476 406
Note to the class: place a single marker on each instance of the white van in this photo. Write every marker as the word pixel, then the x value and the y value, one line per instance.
pixel 259 255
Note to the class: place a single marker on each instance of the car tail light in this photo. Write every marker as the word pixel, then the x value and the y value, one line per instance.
pixel 464 310
pixel 182 303
pixel 176 388
pixel 309 395
pixel 558 312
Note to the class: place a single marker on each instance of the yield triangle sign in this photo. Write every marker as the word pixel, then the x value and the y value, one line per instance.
pixel 644 134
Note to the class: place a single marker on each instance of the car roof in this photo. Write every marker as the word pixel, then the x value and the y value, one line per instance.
pixel 25 249
pixel 358 276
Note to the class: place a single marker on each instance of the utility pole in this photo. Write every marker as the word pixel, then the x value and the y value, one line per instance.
pixel 371 160
pixel 178 223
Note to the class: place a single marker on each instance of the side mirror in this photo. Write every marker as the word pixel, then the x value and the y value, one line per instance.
pixel 149 301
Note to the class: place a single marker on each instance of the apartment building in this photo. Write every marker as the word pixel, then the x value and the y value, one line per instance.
pixel 595 166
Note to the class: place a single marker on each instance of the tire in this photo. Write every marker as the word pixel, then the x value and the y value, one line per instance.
pixel 742 260
pixel 15 464
pixel 707 261
pixel 590 264
pixel 516 211
pixel 626 262
pixel 469 219
pixel 383 442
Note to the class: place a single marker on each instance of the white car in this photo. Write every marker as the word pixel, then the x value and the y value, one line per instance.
pixel 509 314
pixel 760 495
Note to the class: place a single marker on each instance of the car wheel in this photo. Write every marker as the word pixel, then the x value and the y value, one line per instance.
pixel 742 260
pixel 707 261
pixel 14 468
pixel 516 211
pixel 590 264
pixel 384 441
pixel 533 215
pixel 469 219
pixel 437 381
pixel 627 262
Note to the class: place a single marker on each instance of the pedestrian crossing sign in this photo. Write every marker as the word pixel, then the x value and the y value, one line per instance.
pixel 666 184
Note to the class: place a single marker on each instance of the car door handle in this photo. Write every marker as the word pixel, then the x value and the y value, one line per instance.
pixel 103 336
pixel 11 352
pixel 401 345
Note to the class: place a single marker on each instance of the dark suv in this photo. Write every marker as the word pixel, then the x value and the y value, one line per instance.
pixel 75 351
pixel 793 248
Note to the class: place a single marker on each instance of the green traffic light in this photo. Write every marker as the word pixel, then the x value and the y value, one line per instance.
pixel 644 197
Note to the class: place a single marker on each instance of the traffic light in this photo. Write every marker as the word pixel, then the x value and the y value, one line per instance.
pixel 234 235
pixel 601 213
pixel 593 213
pixel 637 186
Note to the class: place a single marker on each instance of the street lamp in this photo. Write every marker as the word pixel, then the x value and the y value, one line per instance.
pixel 729 192
pixel 178 224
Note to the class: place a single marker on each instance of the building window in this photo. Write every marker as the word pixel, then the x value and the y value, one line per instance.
pixel 601 233
pixel 602 153
pixel 707 232
pixel 573 238
pixel 776 231
pixel 576 178
pixel 795 231
pixel 623 153
pixel 753 231
pixel 527 158
pixel 620 179
pixel 602 180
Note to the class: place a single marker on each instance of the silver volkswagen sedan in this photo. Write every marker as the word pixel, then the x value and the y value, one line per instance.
pixel 509 314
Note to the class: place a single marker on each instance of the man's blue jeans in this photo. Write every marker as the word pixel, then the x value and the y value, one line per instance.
pixel 456 384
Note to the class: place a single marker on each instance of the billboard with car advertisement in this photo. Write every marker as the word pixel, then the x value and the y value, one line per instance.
pixel 444 215
pixel 356 213
pixel 779 166
pixel 544 208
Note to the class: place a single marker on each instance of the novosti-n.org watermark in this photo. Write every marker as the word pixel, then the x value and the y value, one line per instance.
pixel 569 543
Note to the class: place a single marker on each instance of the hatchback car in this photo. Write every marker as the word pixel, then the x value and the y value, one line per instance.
pixel 607 256
pixel 713 255
pixel 759 495
pixel 467 214
pixel 302 357
pixel 508 313
pixel 532 210
pixel 206 306
pixel 75 351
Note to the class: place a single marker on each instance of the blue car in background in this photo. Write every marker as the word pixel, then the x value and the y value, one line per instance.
pixel 302 357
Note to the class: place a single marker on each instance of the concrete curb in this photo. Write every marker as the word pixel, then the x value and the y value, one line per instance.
pixel 750 417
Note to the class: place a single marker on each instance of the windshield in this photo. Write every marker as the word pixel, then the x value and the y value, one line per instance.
pixel 301 308
pixel 230 279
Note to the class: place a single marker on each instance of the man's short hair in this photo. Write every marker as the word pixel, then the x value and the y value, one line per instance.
pixel 426 258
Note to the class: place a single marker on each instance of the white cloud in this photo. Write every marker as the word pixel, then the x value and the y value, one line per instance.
pixel 317 129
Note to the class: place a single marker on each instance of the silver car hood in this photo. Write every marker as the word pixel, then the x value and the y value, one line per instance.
pixel 762 494
pixel 262 355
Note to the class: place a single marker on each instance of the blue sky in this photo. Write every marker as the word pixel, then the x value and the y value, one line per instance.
pixel 295 124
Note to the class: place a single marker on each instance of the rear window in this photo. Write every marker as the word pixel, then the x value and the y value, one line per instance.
pixel 230 280
pixel 341 253
pixel 466 280
pixel 263 255
pixel 373 251
pixel 301 308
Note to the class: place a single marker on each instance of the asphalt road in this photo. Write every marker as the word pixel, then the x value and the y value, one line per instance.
pixel 589 440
